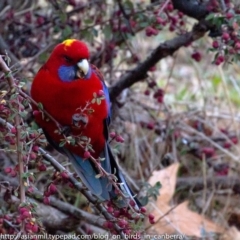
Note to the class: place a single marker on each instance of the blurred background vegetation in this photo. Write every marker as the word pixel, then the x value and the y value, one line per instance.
pixel 182 109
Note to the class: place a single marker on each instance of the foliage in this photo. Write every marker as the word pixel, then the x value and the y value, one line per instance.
pixel 184 111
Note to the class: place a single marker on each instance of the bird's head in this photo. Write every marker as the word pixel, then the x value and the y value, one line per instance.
pixel 69 59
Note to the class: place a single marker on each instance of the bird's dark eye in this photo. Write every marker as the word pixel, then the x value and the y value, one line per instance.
pixel 67 59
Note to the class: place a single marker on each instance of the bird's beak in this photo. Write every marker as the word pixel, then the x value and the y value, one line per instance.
pixel 83 69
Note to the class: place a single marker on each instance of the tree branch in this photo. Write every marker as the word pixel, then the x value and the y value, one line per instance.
pixel 197 183
pixel 192 8
pixel 163 50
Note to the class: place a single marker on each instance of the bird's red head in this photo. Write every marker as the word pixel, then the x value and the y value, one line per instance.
pixel 70 59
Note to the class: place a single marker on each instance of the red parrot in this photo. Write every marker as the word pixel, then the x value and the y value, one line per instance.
pixel 73 92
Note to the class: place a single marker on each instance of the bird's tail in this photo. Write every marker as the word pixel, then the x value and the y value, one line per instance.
pixel 117 199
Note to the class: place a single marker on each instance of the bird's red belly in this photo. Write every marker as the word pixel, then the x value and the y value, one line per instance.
pixel 62 102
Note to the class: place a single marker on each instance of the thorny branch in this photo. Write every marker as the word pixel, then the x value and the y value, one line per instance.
pixel 17 120
pixel 75 182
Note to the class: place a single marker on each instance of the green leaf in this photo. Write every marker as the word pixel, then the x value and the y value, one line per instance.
pixel 158 185
pixel 129 4
pixel 34 126
pixel 88 21
pixel 61 144
pixel 216 81
pixel 98 101
pixel 26 175
pixel 63 17
pixel 144 200
pixel 143 24
pixel 67 32
pixel 107 31
pixel 87 35
pixel 40 106
pixel 23 114
pixel 43 57
pixel 95 32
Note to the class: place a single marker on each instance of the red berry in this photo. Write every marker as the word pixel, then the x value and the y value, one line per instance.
pixel 208 151
pixel 86 155
pixel 72 2
pixel 127 231
pixel 150 31
pixel 234 140
pixel 8 170
pixel 110 209
pixel 197 56
pixel 219 60
pixel 225 36
pixel 64 175
pixel 21 210
pixel 215 44
pixel 119 139
pixel 122 223
pixel 229 15
pixel 34 228
pixel 152 84
pixel 13 130
pixel 42 167
pixel 47 194
pixel 112 135
pixel 152 221
pixel 116 213
pixel 40 20
pixel 52 188
pixel 32 135
pixel 36 113
pixel 160 99
pixel 227 145
pixel 143 210
pixel 35 148
pixel 152 69
pixel 150 125
pixel 237 45
pixel 150 216
pixel 132 203
pixel 100 93
pixel 108 224
pixel 46 200
pixel 170 7
pixel 13 173
pixel 147 92
pixel 26 214
pixel 33 156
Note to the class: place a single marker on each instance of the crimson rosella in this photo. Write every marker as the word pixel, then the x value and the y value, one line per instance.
pixel 73 92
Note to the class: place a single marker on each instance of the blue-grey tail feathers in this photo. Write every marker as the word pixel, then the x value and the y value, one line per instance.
pixel 101 187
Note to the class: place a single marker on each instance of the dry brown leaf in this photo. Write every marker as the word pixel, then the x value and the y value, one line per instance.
pixel 172 219
pixel 231 234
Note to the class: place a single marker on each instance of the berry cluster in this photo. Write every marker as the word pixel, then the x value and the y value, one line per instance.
pixel 128 219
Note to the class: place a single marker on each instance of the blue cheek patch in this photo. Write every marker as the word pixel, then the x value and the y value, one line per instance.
pixel 67 73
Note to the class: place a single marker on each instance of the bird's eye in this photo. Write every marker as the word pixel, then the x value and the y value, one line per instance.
pixel 67 59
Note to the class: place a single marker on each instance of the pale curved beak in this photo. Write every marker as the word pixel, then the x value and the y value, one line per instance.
pixel 83 68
